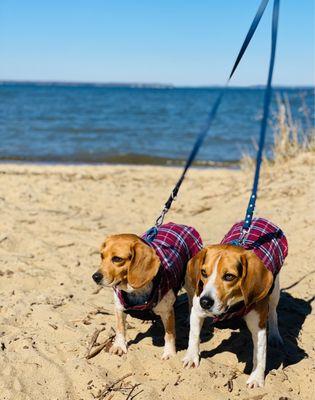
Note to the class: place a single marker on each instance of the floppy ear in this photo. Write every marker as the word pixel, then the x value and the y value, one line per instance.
pixel 144 265
pixel 256 278
pixel 193 270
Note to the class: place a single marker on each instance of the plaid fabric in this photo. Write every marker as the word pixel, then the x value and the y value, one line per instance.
pixel 268 242
pixel 175 245
pixel 265 239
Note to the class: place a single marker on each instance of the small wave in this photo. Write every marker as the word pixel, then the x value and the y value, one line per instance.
pixel 122 159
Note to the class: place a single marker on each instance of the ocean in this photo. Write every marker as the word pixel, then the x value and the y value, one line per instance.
pixel 85 123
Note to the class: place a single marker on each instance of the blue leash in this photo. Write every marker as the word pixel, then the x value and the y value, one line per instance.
pixel 263 128
pixel 151 233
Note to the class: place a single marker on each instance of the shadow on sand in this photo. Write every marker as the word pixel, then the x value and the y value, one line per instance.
pixel 291 315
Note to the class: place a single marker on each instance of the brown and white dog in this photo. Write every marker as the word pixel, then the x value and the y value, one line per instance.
pixel 230 281
pixel 146 276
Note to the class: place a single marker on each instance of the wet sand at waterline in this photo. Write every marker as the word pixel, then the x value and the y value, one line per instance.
pixel 53 220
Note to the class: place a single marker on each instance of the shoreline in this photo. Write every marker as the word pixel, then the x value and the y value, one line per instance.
pixel 199 165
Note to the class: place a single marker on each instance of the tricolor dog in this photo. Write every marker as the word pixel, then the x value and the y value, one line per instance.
pixel 147 275
pixel 239 281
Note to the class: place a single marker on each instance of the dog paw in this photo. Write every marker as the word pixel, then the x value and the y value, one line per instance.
pixel 169 351
pixel 275 340
pixel 119 348
pixel 191 361
pixel 167 354
pixel 255 380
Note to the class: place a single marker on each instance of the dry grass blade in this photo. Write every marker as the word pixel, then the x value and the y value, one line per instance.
pixel 291 137
pixel 131 398
pixel 131 391
pixel 110 387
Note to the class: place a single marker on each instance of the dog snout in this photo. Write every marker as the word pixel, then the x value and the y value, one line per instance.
pixel 206 302
pixel 97 277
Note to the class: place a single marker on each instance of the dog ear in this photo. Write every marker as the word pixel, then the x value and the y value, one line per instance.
pixel 256 278
pixel 144 265
pixel 194 268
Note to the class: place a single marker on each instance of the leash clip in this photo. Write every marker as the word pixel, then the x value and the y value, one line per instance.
pixel 244 233
pixel 160 219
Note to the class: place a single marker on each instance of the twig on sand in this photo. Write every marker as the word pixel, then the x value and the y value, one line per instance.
pixel 110 387
pixel 93 340
pixel 136 394
pixel 229 385
pixel 99 348
pixel 178 380
pixel 131 391
pixel 87 319
pixel 99 310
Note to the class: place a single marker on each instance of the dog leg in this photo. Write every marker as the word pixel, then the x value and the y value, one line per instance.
pixel 274 338
pixel 165 309
pixel 191 358
pixel 190 294
pixel 119 346
pixel 259 337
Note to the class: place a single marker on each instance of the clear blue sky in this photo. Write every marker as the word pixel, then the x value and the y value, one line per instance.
pixel 168 41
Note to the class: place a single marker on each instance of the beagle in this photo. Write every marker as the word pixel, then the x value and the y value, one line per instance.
pixel 241 280
pixel 147 275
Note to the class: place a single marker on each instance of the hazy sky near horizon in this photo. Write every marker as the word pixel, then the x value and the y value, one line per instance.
pixel 152 41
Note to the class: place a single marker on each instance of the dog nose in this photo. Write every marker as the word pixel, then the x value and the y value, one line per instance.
pixel 206 302
pixel 97 277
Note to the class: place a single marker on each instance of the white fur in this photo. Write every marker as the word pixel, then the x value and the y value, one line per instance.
pixel 119 346
pixel 259 337
pixel 210 290
pixel 197 317
pixel 117 303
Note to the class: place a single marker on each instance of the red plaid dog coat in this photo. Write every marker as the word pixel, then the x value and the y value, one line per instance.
pixel 175 245
pixel 267 241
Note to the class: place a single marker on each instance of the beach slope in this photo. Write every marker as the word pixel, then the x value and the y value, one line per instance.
pixel 53 220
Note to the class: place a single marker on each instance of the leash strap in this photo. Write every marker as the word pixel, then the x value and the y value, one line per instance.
pixel 268 92
pixel 203 132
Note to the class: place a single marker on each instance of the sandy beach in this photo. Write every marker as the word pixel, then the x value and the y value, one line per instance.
pixel 53 220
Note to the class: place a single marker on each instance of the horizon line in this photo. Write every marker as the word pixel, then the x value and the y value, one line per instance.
pixel 155 85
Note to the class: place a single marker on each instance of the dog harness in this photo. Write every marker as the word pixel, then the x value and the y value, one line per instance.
pixel 175 245
pixel 268 242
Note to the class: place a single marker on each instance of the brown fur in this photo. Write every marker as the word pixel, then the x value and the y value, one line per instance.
pixel 252 279
pixel 139 262
pixel 128 262
pixel 262 307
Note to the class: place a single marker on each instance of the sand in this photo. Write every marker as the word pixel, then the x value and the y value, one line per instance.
pixel 53 220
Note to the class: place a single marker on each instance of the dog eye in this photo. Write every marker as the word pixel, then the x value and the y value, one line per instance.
pixel 116 259
pixel 203 273
pixel 229 277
